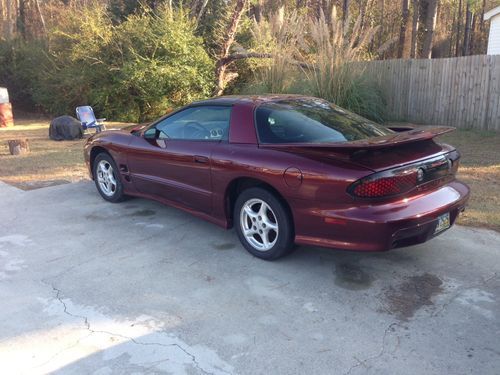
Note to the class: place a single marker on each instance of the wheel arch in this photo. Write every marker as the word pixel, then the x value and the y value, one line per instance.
pixel 236 186
pixel 96 150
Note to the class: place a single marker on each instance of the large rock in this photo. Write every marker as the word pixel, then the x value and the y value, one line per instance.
pixel 65 128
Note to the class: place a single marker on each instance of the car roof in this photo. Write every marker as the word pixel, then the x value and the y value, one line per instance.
pixel 240 99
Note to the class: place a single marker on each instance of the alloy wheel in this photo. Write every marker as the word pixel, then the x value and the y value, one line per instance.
pixel 259 224
pixel 106 178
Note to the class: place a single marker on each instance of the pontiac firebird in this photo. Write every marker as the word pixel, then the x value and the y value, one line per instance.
pixel 287 170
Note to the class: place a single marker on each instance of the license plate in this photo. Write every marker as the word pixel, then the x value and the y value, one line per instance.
pixel 443 223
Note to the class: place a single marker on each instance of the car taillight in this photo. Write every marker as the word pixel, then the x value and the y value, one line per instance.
pixel 385 184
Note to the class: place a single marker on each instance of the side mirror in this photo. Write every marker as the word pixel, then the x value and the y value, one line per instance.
pixel 151 133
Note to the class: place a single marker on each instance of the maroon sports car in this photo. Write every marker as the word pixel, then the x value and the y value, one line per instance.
pixel 285 170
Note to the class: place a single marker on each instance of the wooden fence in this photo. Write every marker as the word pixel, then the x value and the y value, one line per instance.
pixel 462 92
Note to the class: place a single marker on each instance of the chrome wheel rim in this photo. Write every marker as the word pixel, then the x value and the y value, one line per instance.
pixel 259 225
pixel 106 178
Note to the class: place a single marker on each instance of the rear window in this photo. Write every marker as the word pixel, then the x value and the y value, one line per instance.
pixel 309 120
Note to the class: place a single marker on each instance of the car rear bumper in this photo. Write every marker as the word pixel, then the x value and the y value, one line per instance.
pixel 379 226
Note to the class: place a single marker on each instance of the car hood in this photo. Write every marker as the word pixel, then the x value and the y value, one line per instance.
pixel 377 153
pixel 112 133
pixel 134 128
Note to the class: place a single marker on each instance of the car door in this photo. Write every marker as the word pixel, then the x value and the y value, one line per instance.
pixel 172 159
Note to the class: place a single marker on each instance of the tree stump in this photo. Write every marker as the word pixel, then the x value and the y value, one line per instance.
pixel 19 146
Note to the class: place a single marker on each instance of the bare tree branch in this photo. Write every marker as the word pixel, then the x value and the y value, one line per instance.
pixel 220 67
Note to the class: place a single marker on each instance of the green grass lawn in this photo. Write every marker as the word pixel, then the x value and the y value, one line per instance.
pixel 52 162
pixel 49 162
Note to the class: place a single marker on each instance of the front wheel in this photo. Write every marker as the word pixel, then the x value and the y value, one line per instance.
pixel 107 178
pixel 263 224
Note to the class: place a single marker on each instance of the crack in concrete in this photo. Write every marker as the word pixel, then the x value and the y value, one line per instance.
pixel 92 331
pixel 381 352
pixel 455 295
pixel 75 344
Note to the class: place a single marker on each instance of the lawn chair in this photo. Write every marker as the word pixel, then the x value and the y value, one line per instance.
pixel 86 116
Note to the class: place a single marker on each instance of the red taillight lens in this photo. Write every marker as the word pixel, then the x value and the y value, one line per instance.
pixel 422 175
pixel 384 185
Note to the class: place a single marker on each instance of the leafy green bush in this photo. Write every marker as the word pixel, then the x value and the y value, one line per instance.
pixel 19 64
pixel 163 64
pixel 134 71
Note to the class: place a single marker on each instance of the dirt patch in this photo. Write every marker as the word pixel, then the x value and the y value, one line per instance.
pixel 413 294
pixel 33 185
pixel 352 277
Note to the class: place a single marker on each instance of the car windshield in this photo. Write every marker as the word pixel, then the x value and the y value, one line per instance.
pixel 309 120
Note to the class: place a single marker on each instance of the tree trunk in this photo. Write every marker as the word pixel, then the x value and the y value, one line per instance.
pixel 402 29
pixel 257 10
pixel 345 13
pixel 22 18
pixel 414 29
pixel 382 29
pixel 30 22
pixel 473 29
pixel 8 18
pixel 42 20
pixel 459 26
pixel 481 24
pixel 430 24
pixel 450 50
pixel 19 146
pixel 468 18
pixel 221 65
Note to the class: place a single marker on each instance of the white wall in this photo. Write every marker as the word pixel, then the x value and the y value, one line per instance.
pixel 494 38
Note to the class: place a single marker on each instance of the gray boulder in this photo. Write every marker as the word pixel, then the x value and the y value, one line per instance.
pixel 65 128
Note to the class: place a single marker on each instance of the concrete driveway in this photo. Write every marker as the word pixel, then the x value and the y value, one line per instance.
pixel 92 287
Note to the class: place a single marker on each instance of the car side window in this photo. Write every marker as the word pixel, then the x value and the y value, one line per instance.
pixel 200 123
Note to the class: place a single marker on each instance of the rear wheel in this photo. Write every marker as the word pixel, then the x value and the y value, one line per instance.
pixel 263 224
pixel 107 178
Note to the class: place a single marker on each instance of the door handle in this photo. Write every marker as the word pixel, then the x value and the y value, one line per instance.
pixel 200 159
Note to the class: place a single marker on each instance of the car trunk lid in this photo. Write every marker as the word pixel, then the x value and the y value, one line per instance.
pixel 377 153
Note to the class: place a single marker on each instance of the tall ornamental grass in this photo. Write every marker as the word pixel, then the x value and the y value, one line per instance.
pixel 312 56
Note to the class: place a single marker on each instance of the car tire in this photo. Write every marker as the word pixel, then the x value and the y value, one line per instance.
pixel 107 178
pixel 263 224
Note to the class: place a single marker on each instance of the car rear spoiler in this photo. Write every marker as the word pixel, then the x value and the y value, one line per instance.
pixel 421 133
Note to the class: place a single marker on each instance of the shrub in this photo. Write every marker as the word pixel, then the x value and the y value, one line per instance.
pixel 163 64
pixel 18 69
pixel 134 71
